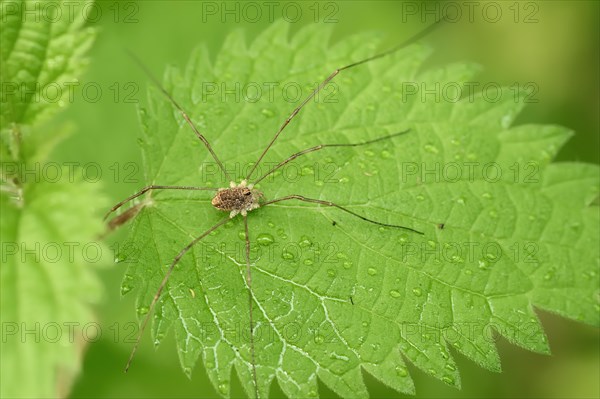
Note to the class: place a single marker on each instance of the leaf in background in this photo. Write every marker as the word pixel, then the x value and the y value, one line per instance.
pixel 332 299
pixel 42 55
pixel 48 229
pixel 49 248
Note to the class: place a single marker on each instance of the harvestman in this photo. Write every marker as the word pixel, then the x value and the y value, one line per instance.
pixel 243 197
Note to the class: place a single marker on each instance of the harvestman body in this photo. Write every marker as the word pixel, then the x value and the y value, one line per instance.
pixel 243 197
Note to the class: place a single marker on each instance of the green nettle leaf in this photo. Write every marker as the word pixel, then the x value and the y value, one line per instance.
pixel 42 48
pixel 48 285
pixel 48 230
pixel 505 230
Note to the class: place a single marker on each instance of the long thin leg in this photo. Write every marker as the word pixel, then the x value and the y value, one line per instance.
pixel 329 203
pixel 164 282
pixel 183 113
pixel 154 187
pixel 410 40
pixel 321 146
pixel 250 306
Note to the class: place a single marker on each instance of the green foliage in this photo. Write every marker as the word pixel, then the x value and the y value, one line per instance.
pixel 42 49
pixel 48 229
pixel 331 300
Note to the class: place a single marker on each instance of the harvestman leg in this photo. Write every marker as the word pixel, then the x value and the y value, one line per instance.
pixel 321 146
pixel 250 305
pixel 164 282
pixel 410 40
pixel 184 114
pixel 154 187
pixel 329 203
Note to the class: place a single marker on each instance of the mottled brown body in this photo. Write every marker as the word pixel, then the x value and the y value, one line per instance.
pixel 237 199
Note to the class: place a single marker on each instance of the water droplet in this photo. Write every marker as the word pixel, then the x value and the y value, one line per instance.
pixel 288 255
pixel 308 262
pixel 265 239
pixel 305 242
pixel 372 271
pixel 483 264
pixel 448 380
pixel 386 154
pixel 461 200
pixel 365 324
pixel 224 388
pixel 395 294
pixel 344 179
pixel 319 339
pixel 307 170
pixel 242 235
pixel 486 195
pixel 401 371
pixel 420 197
pixel 267 112
pixel 347 265
pixel 142 310
pixel 271 224
pixel 331 273
pixel 417 292
pixel 431 148
pixel 125 289
pixel 491 256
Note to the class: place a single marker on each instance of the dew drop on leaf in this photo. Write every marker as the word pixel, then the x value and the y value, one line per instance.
pixel 431 148
pixel 142 310
pixel 372 271
pixel 265 239
pixel 417 291
pixel 268 113
pixel 448 380
pixel 395 294
pixel 304 242
pixel 401 371
pixel 223 387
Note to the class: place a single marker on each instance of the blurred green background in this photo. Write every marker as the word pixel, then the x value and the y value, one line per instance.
pixel 559 52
